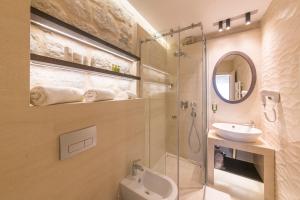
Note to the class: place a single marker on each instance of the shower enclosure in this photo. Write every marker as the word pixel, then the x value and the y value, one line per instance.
pixel 174 85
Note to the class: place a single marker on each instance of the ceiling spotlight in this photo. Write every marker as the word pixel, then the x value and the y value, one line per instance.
pixel 248 18
pixel 228 24
pixel 220 26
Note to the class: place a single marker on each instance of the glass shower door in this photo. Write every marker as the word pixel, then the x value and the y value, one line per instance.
pixel 175 128
pixel 192 137
pixel 159 81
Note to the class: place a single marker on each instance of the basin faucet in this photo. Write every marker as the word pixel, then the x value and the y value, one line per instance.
pixel 251 124
pixel 135 167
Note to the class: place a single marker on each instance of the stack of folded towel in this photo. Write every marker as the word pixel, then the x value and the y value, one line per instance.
pixel 44 95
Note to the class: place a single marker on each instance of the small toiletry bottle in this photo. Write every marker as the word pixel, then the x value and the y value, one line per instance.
pixel 77 58
pixel 118 69
pixel 93 62
pixel 114 68
pixel 68 54
pixel 86 60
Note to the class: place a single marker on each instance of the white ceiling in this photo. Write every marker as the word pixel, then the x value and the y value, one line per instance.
pixel 166 14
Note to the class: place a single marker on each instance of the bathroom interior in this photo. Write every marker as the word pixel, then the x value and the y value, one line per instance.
pixel 150 100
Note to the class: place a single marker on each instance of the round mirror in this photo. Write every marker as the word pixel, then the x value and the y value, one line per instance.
pixel 234 77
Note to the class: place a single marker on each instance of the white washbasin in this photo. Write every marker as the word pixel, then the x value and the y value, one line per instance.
pixel 236 132
pixel 148 185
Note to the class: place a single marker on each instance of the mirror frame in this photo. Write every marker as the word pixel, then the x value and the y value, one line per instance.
pixel 253 73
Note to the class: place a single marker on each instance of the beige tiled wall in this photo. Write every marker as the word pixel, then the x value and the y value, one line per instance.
pixel 155 94
pixel 281 72
pixel 29 157
pixel 30 165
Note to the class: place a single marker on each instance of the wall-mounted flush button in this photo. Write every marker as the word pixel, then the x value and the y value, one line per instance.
pixel 77 141
pixel 76 146
pixel 88 142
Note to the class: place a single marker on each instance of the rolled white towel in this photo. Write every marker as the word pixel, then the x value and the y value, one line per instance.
pixel 45 95
pixel 122 96
pixel 93 95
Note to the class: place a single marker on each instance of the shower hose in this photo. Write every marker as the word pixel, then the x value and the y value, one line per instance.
pixel 194 130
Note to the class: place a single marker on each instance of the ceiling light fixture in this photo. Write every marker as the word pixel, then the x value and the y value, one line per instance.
pixel 228 24
pixel 248 18
pixel 220 26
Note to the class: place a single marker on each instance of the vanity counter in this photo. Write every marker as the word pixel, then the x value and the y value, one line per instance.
pixel 259 147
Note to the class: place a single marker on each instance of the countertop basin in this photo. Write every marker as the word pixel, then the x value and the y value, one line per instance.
pixel 237 132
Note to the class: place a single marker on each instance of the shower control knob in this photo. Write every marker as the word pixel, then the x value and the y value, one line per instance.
pixel 174 117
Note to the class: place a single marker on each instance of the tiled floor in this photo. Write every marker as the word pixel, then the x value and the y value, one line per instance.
pixel 238 187
pixel 190 172
pixel 227 186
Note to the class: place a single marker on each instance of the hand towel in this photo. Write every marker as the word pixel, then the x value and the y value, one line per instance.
pixel 45 95
pixel 93 95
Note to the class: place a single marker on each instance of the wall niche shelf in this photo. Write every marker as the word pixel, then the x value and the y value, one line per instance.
pixel 54 61
pixel 55 25
pixel 43 19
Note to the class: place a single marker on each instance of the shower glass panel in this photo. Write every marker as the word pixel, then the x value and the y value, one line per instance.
pixel 173 78
pixel 159 79
pixel 192 126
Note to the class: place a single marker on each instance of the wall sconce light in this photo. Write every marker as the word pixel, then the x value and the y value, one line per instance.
pixel 248 18
pixel 220 26
pixel 228 24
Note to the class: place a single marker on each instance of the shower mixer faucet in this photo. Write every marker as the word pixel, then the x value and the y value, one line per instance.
pixel 193 104
pixel 184 105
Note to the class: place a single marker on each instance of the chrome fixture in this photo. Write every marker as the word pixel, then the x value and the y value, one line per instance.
pixel 228 26
pixel 248 18
pixel 172 32
pixel 251 124
pixel 135 167
pixel 214 107
pixel 193 127
pixel 184 105
pixel 220 26
pixel 179 53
